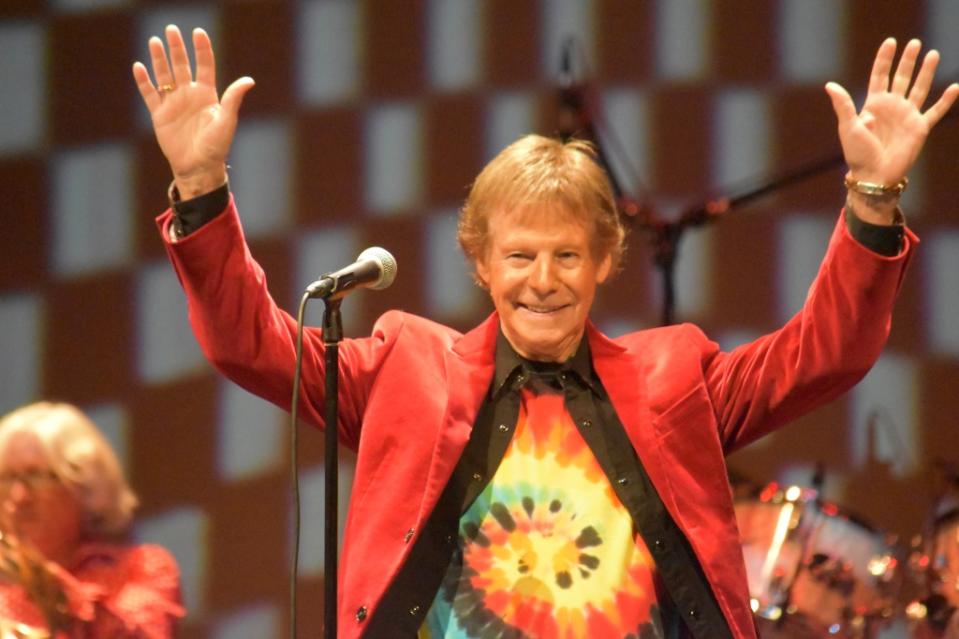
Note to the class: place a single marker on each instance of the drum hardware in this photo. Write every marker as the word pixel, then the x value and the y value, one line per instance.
pixel 814 570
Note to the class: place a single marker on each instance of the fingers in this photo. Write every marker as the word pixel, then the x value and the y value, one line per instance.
pixel 942 105
pixel 147 91
pixel 879 77
pixel 205 62
pixel 920 90
pixel 842 103
pixel 233 96
pixel 178 56
pixel 907 63
pixel 161 67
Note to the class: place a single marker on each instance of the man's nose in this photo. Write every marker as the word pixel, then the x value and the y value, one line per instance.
pixel 543 276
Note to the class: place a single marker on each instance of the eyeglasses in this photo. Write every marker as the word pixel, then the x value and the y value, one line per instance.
pixel 33 480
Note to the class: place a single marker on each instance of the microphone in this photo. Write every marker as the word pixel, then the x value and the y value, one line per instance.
pixel 374 268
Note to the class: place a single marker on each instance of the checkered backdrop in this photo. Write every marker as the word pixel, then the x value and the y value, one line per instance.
pixel 367 124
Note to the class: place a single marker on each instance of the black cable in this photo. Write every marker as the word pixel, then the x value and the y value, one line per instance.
pixel 294 463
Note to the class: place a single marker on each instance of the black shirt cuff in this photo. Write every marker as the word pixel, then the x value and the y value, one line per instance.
pixel 884 240
pixel 190 215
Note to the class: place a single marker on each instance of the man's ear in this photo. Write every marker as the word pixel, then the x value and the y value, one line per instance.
pixel 604 268
pixel 482 273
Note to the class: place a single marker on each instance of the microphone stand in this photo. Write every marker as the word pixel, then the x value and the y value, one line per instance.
pixel 332 335
pixel 665 236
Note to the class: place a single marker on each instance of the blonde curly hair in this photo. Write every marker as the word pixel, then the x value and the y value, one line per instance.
pixel 80 456
pixel 538 174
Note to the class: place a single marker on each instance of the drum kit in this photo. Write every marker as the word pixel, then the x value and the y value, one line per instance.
pixel 815 570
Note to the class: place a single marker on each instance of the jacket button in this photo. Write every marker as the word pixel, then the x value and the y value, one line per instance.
pixel 477 477
pixel 587 423
pixel 622 481
pixel 503 428
pixel 361 613
pixel 408 536
pixel 415 610
pixel 694 613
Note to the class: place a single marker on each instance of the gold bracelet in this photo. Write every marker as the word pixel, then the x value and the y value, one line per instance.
pixel 872 188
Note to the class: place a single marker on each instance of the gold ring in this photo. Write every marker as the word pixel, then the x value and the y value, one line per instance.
pixel 166 88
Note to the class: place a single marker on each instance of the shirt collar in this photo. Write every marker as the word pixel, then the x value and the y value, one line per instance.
pixel 512 369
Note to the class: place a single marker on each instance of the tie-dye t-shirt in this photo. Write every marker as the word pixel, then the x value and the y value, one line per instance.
pixel 547 550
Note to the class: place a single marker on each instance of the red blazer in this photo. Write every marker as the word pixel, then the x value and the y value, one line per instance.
pixel 409 395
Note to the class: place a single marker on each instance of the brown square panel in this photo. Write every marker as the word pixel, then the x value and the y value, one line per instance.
pixel 22 8
pixel 805 140
pixel 404 237
pixel 394 61
pixel 173 437
pixel 625 42
pixel 455 142
pixel 249 556
pixel 273 254
pixel 744 278
pixel 329 165
pixel 152 178
pixel 743 41
pixel 870 23
pixel 512 45
pixel 680 128
pixel 941 168
pixel 23 191
pixel 270 61
pixel 88 347
pixel 92 88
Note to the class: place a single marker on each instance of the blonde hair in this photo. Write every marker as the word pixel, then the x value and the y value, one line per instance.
pixel 80 456
pixel 537 173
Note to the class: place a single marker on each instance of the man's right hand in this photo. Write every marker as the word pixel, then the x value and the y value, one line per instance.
pixel 193 126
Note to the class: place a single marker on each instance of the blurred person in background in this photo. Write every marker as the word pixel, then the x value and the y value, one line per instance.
pixel 65 508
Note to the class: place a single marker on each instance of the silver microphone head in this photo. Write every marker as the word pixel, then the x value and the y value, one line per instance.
pixel 386 262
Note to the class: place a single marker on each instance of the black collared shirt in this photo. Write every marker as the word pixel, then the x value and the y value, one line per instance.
pixel 686 601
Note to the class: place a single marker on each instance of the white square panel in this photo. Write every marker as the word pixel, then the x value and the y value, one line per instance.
pixel 182 531
pixel 741 144
pixel 802 244
pixel 166 347
pixel 313 510
pixel 23 102
pixel 329 55
pixel 250 434
pixel 568 24
pixel 111 420
pixel 450 290
pixel 509 115
pixel 812 48
pixel 884 419
pixel 940 266
pixel 22 319
pixel 942 18
pixel 393 157
pixel 683 38
pixel 78 6
pixel 92 209
pixel 320 252
pixel 261 175
pixel 625 138
pixel 251 622
pixel 454 31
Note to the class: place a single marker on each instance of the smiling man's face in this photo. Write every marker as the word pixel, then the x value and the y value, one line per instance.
pixel 542 276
